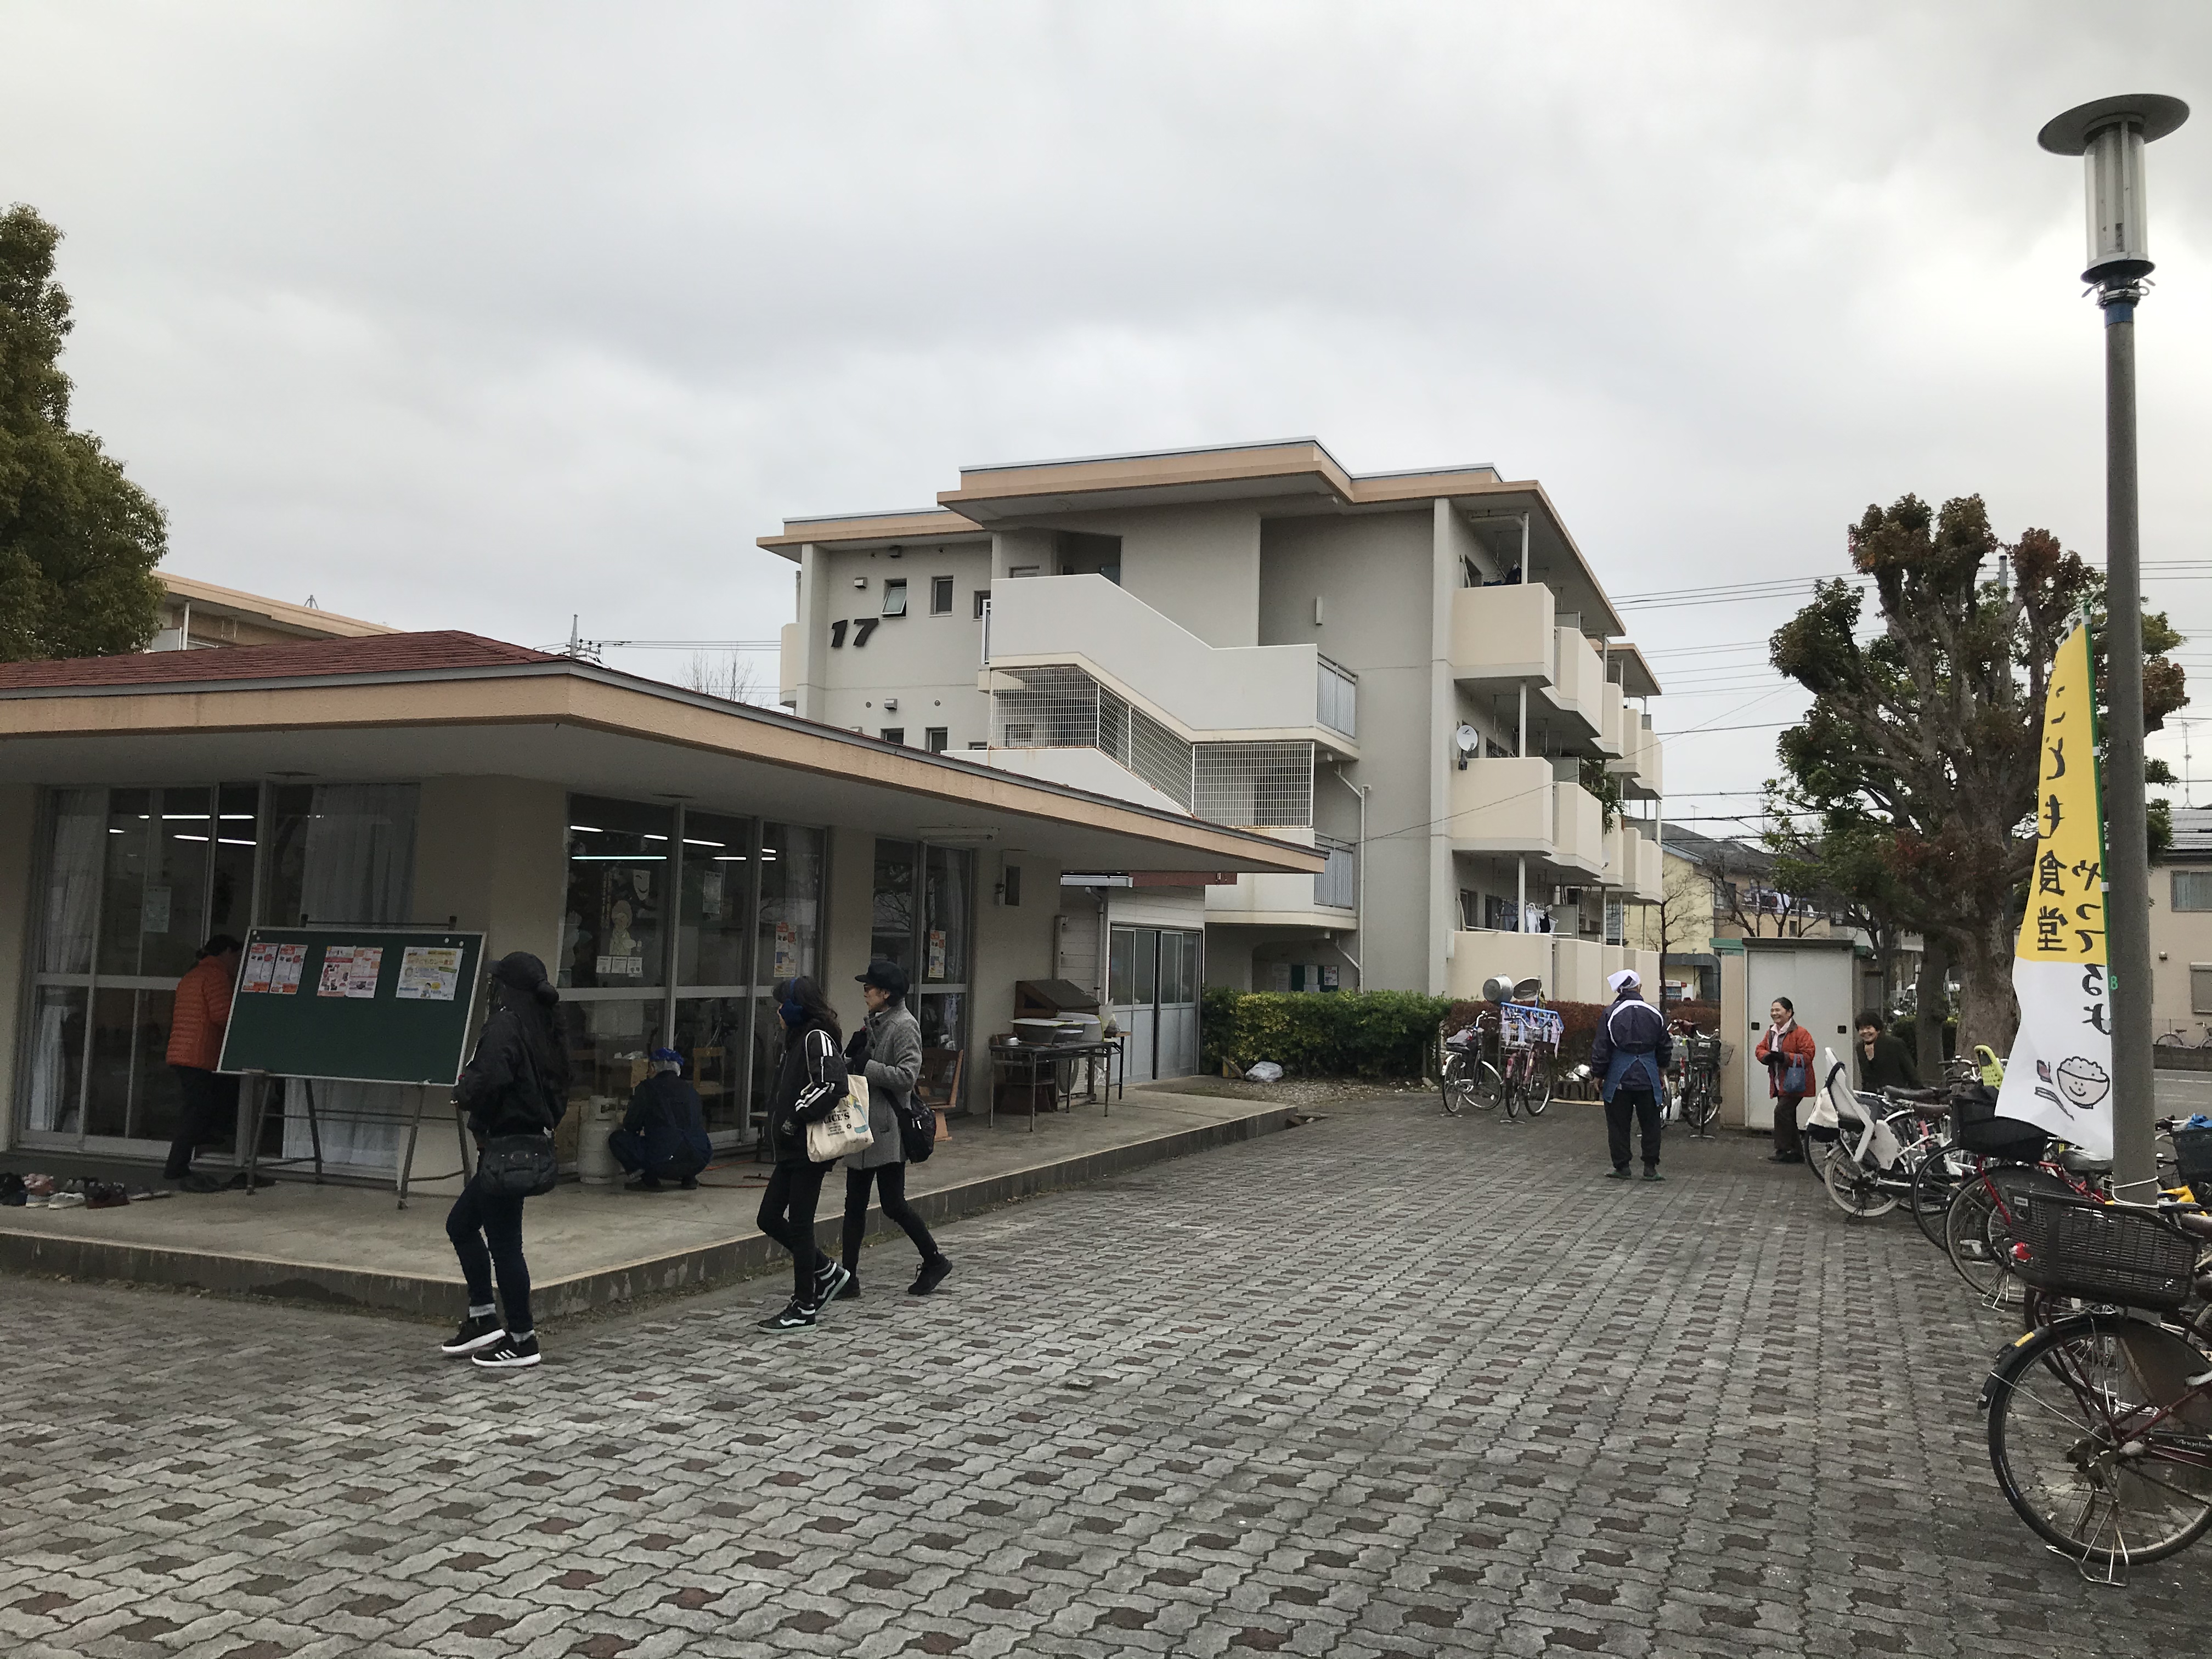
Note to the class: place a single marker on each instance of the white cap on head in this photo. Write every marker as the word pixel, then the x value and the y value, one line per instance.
pixel 1626 979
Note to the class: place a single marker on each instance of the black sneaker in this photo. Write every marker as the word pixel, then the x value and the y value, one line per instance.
pixel 1652 1174
pixel 933 1274
pixel 851 1290
pixel 644 1183
pixel 199 1184
pixel 690 1183
pixel 795 1316
pixel 510 1353
pixel 830 1285
pixel 478 1331
pixel 1621 1174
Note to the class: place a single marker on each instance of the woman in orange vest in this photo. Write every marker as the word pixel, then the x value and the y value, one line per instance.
pixel 203 1009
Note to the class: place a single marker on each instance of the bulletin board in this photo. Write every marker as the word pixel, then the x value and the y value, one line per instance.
pixel 358 1005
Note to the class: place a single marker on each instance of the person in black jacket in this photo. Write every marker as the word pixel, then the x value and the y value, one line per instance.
pixel 1631 1052
pixel 1884 1061
pixel 664 1134
pixel 516 1084
pixel 809 1084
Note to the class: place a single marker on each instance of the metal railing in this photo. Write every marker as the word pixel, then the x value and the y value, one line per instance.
pixel 1336 698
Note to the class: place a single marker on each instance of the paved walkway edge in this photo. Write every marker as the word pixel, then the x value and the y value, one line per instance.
pixel 46 1256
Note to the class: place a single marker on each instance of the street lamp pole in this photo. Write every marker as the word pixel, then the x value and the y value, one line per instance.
pixel 2110 135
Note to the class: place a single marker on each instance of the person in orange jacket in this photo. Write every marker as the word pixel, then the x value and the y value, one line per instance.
pixel 1788 1053
pixel 203 1010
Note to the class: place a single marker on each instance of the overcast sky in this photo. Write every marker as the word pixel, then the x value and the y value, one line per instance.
pixel 477 316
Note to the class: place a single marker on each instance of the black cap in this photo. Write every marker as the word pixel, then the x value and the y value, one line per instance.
pixel 885 975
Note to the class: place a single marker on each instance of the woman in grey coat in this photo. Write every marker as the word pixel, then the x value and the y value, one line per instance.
pixel 888 1049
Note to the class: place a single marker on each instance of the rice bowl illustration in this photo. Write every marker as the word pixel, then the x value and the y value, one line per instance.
pixel 2082 1081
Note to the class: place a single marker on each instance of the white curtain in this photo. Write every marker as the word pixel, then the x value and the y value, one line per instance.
pixel 359 867
pixel 72 901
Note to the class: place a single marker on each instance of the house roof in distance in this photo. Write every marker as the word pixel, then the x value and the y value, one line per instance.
pixel 2193 836
pixel 279 615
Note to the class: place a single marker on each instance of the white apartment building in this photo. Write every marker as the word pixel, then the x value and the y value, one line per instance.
pixel 1407 671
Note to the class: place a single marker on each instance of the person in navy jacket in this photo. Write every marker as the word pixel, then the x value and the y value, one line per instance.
pixel 1631 1052
pixel 664 1134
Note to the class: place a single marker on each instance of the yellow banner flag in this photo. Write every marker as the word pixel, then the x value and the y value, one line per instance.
pixel 2059 1073
pixel 2065 919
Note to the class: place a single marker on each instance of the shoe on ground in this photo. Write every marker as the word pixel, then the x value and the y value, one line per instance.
pixel 931 1275
pixel 239 1183
pixel 641 1183
pixel 105 1195
pixel 478 1333
pixel 69 1198
pixel 1621 1174
pixel 11 1188
pixel 196 1182
pixel 795 1316
pixel 148 1194
pixel 509 1353
pixel 850 1289
pixel 1653 1175
pixel 1786 1158
pixel 830 1285
pixel 690 1183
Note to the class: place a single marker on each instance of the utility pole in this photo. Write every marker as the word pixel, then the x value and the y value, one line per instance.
pixel 2110 133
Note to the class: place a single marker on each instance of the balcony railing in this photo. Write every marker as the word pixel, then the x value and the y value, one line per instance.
pixel 1338 884
pixel 1337 698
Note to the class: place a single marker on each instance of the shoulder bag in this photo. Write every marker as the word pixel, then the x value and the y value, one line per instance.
pixel 519 1165
pixel 845 1130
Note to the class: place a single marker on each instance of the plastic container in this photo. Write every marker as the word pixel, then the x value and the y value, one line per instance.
pixel 595 1160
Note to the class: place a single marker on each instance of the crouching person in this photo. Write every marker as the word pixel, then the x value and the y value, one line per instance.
pixel 663 1136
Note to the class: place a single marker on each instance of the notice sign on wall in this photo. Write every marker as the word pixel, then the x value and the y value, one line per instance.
pixel 350 970
pixel 429 973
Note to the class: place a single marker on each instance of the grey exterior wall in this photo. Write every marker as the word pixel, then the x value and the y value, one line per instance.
pixel 1374 574
pixel 928 663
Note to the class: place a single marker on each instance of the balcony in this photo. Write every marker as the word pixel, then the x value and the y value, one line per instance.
pixel 1501 804
pixel 1633 862
pixel 1479 954
pixel 1577 690
pixel 1613 727
pixel 1503 636
pixel 1579 969
pixel 1197 690
pixel 1639 767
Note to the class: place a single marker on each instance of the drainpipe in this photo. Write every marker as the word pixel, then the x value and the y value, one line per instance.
pixel 1359 887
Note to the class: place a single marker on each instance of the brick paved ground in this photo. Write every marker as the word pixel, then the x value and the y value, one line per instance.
pixel 1389 1384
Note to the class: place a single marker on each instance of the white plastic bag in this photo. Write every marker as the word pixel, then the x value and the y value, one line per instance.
pixel 1266 1071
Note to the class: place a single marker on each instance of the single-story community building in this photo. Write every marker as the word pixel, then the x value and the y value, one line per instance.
pixel 669 854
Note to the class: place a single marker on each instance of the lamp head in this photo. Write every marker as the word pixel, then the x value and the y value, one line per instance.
pixel 2109 134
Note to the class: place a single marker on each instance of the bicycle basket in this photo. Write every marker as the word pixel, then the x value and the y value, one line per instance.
pixel 1975 1126
pixel 2192 1152
pixel 2103 1252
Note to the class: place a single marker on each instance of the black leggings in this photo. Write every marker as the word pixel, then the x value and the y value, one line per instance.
pixel 477 1221
pixel 890 1180
pixel 787 1215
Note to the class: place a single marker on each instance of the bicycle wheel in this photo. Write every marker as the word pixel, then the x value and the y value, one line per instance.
pixel 1978 1232
pixel 2100 1444
pixel 1457 1084
pixel 1489 1085
pixel 1538 1095
pixel 1700 1102
pixel 1511 1095
pixel 1857 1190
pixel 1935 1183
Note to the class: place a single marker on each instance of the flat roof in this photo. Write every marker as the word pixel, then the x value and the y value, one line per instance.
pixel 418 706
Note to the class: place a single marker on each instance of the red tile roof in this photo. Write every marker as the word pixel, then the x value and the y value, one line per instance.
pixel 377 653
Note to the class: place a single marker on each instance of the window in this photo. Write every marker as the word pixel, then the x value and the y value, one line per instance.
pixel 978 745
pixel 2200 988
pixel 940 596
pixel 918 918
pixel 894 597
pixel 1616 921
pixel 2192 889
pixel 936 739
pixel 1009 887
pixel 982 599
pixel 893 734
pixel 1024 570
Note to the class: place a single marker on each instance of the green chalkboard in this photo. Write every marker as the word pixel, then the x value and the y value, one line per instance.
pixel 366 1005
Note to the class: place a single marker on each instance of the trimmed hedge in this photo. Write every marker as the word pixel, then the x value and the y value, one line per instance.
pixel 1373 1034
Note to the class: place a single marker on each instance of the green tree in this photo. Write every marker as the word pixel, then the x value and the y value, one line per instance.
pixel 1924 738
pixel 78 540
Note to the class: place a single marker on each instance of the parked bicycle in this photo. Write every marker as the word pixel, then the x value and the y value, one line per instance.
pixel 2176 1036
pixel 1699 1056
pixel 2101 1422
pixel 1507 1056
